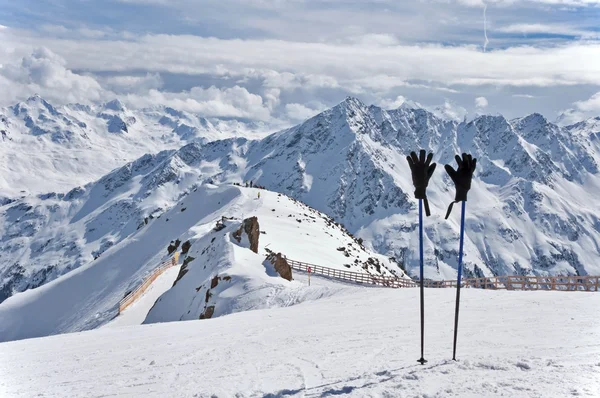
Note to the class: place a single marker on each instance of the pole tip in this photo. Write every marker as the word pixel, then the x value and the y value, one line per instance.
pixel 422 361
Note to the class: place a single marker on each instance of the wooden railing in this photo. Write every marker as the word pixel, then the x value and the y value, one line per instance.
pixel 358 277
pixel 146 282
pixel 563 283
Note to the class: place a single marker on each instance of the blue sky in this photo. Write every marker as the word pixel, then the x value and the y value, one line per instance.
pixel 280 61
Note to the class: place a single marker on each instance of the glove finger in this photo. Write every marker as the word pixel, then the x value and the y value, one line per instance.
pixel 430 170
pixel 414 157
pixel 410 161
pixel 422 156
pixel 450 170
pixel 458 161
pixel 465 159
pixel 474 164
pixel 429 157
pixel 470 157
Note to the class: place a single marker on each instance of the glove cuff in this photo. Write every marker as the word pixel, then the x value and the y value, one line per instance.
pixel 421 192
pixel 460 196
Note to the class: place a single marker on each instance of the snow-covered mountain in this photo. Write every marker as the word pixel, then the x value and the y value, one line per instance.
pixel 119 217
pixel 532 210
pixel 45 148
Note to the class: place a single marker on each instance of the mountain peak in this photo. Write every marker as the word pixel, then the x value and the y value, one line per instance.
pixel 33 102
pixel 409 104
pixel 352 102
pixel 34 98
pixel 115 105
pixel 535 118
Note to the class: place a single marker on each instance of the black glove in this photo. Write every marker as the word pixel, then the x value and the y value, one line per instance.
pixel 461 178
pixel 421 169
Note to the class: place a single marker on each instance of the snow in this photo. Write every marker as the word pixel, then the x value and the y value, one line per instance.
pixel 530 210
pixel 137 312
pixel 358 342
pixel 87 297
pixel 76 144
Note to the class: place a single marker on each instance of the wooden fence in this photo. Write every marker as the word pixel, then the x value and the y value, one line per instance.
pixel 563 283
pixel 358 277
pixel 146 282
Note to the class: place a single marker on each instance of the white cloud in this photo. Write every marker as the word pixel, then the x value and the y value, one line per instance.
pixel 581 110
pixel 235 102
pixel 591 105
pixel 523 96
pixel 299 112
pixel 392 104
pixel 45 73
pixel 548 29
pixel 481 102
pixel 450 110
pixel 345 65
pixel 288 52
pixel 133 84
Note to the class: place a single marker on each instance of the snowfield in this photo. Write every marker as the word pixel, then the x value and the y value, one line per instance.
pixel 358 342
pixel 88 297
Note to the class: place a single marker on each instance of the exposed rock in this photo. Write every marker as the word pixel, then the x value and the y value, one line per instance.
pixel 173 246
pixel 281 265
pixel 208 312
pixel 214 282
pixel 183 270
pixel 252 229
pixel 185 247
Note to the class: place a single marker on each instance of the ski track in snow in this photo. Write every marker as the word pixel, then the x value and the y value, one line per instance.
pixel 361 342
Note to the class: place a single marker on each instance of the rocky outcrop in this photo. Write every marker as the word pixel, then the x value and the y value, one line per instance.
pixel 281 265
pixel 251 228
pixel 173 246
pixel 185 248
pixel 208 312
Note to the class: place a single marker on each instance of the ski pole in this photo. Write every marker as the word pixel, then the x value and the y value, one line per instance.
pixel 460 259
pixel 422 360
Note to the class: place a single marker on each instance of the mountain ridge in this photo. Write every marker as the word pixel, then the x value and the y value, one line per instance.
pixel 531 210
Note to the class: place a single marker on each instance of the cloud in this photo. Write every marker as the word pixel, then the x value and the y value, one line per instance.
pixel 523 96
pixel 591 105
pixel 565 30
pixel 275 53
pixel 335 64
pixel 481 102
pixel 581 110
pixel 392 104
pixel 123 84
pixel 299 112
pixel 45 73
pixel 234 102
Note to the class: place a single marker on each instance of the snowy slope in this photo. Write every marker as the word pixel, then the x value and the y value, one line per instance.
pixel 227 276
pixel 44 148
pixel 137 312
pixel 532 210
pixel 359 342
pixel 88 296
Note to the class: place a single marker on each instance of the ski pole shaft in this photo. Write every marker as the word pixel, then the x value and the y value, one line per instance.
pixel 460 260
pixel 422 360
